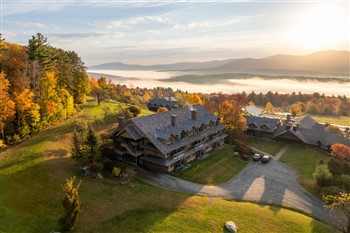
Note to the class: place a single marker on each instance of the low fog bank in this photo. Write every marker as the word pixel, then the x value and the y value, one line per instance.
pixel 227 83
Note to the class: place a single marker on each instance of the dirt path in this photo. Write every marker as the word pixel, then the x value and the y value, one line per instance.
pixel 281 152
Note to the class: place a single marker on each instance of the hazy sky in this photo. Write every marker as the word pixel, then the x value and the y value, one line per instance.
pixel 148 32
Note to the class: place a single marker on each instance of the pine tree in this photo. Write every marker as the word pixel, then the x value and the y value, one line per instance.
pixel 71 204
pixel 93 143
pixel 77 150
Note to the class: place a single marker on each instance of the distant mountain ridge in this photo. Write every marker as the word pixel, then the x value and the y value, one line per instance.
pixel 161 67
pixel 330 62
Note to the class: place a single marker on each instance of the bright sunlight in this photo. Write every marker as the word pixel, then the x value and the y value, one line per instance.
pixel 320 28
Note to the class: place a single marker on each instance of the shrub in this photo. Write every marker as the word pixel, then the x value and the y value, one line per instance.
pixel 2 143
pixel 342 182
pixel 330 190
pixel 11 140
pixel 96 166
pixel 244 157
pixel 71 204
pixel 337 166
pixel 116 171
pixel 322 175
pixel 135 110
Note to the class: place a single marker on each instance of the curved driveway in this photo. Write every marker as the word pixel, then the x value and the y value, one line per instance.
pixel 272 183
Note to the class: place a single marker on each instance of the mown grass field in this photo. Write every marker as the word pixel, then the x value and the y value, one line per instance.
pixel 267 146
pixel 217 168
pixel 337 120
pixel 341 120
pixel 304 160
pixel 31 175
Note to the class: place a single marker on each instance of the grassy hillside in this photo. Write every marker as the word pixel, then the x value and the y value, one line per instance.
pixel 31 175
pixel 304 160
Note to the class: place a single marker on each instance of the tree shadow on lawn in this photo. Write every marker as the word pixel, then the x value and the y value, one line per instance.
pixel 31 197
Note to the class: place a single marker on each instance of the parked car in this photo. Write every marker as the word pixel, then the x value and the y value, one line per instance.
pixel 266 158
pixel 257 157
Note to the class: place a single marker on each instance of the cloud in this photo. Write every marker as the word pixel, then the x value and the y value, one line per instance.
pixel 10 8
pixel 129 23
pixel 24 24
pixel 78 35
pixel 154 32
pixel 193 25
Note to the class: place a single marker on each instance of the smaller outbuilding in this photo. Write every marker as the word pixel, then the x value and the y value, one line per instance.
pixel 252 110
pixel 262 126
pixel 168 102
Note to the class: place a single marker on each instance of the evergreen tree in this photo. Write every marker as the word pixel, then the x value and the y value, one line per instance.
pixel 77 150
pixel 71 204
pixel 93 143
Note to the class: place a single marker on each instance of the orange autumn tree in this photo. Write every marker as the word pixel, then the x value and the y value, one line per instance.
pixel 27 110
pixel 7 106
pixel 162 109
pixel 235 123
pixel 193 99
pixel 341 151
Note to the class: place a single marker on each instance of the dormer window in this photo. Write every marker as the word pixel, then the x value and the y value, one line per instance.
pixel 183 134
pixel 265 127
pixel 253 125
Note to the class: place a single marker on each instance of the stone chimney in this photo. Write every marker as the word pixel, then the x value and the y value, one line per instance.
pixel 289 117
pixel 173 120
pixel 121 120
pixel 194 114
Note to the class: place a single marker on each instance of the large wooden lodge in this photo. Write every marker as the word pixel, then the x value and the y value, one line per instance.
pixel 168 140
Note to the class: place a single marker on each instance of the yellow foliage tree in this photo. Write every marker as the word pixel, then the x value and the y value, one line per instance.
pixel 93 83
pixel 193 99
pixel 269 107
pixel 48 95
pixel 7 106
pixel 25 106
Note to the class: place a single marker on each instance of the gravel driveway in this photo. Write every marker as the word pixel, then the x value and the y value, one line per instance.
pixel 271 183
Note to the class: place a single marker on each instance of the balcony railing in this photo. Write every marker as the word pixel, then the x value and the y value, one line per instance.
pixel 196 148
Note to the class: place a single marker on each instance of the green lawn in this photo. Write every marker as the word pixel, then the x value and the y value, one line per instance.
pixel 267 146
pixel 341 120
pixel 304 159
pixel 217 168
pixel 338 120
pixel 31 175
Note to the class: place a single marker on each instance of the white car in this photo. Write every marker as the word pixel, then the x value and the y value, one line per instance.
pixel 257 157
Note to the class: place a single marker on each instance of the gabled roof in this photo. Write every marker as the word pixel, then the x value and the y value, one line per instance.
pixel 307 122
pixel 254 111
pixel 132 131
pixel 161 102
pixel 262 123
pixel 311 132
pixel 158 126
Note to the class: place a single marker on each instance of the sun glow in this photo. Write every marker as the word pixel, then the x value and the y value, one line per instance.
pixel 320 28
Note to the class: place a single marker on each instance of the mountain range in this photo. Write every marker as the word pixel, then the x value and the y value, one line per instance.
pixel 325 62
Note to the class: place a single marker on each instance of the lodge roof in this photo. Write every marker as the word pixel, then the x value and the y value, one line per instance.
pixel 157 127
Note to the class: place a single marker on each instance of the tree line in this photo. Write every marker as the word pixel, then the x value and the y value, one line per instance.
pixel 315 103
pixel 39 85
